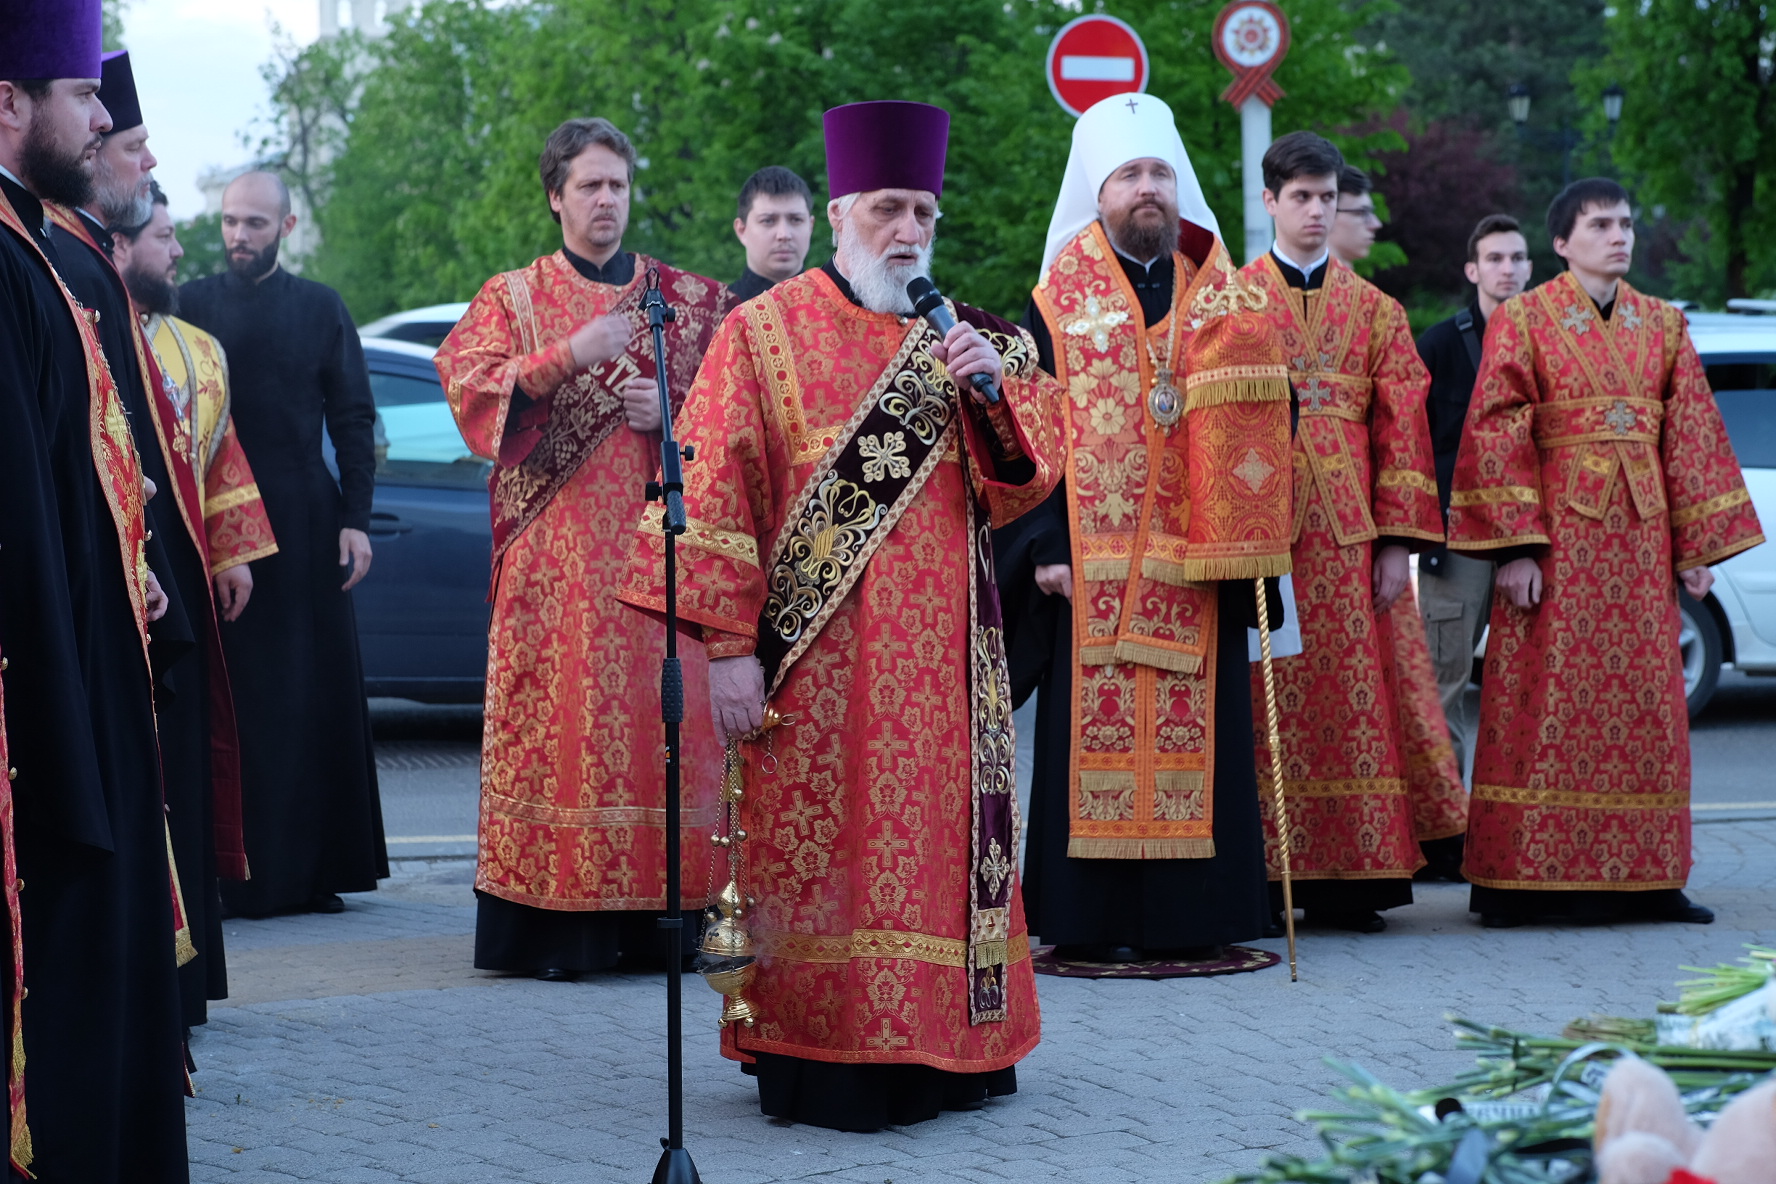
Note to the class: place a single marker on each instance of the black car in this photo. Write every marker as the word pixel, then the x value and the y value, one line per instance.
pixel 422 610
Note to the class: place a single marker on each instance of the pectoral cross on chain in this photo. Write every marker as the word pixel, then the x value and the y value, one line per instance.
pixel 1576 320
pixel 1620 419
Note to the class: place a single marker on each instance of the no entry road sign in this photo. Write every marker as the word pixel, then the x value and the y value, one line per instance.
pixel 1093 58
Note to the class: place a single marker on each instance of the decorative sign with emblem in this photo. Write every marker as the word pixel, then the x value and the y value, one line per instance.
pixel 1092 58
pixel 1251 39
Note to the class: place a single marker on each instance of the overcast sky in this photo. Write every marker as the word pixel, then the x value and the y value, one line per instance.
pixel 197 71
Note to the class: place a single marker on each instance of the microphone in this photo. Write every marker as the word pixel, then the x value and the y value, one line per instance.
pixel 928 303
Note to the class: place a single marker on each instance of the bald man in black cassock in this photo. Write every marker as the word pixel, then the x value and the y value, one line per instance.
pixel 312 814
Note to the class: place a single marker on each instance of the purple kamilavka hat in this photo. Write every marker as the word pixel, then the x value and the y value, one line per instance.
pixel 885 145
pixel 117 90
pixel 50 38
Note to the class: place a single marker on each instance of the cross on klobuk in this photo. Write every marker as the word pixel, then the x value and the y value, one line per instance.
pixel 1620 419
pixel 1131 106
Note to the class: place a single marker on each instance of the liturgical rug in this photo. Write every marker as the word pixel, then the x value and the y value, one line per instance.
pixel 1234 960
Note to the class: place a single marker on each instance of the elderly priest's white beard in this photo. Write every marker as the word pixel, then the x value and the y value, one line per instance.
pixel 879 281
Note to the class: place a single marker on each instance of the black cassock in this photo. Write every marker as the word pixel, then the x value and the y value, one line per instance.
pixel 179 652
pixel 1148 904
pixel 308 775
pixel 104 1086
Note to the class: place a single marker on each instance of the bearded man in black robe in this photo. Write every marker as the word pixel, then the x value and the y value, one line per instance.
pixel 308 776
pixel 105 1073
pixel 186 662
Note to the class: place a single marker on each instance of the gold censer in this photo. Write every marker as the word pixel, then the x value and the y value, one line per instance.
pixel 728 957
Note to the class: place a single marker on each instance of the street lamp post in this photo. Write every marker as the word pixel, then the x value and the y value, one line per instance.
pixel 1517 102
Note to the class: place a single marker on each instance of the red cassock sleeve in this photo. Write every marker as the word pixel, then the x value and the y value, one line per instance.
pixel 1496 496
pixel 735 497
pixel 1404 501
pixel 235 524
pixel 483 364
pixel 1711 512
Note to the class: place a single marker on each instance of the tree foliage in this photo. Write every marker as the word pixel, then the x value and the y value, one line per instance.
pixel 1443 180
pixel 1463 58
pixel 1698 131
pixel 435 186
pixel 201 238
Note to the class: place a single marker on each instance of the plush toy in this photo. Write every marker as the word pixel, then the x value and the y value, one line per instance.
pixel 1644 1137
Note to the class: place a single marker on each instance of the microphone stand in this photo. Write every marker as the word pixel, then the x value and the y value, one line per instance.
pixel 675 1166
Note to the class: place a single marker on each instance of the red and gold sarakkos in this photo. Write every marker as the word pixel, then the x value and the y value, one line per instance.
pixel 1168 489
pixel 862 824
pixel 1363 471
pixel 572 782
pixel 1598 440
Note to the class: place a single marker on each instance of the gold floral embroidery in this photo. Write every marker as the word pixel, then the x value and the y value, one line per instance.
pixel 884 456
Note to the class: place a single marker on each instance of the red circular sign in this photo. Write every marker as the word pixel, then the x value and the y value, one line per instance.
pixel 1093 58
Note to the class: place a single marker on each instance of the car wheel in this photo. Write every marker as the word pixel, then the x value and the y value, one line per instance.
pixel 1699 646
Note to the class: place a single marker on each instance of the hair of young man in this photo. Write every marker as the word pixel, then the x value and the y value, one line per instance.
pixel 572 138
pixel 1487 227
pixel 773 181
pixel 1300 154
pixel 1353 182
pixel 156 197
pixel 1591 192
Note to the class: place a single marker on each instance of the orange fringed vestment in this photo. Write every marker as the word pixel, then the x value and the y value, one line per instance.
pixel 1166 493
pixel 1599 441
pixel 572 782
pixel 195 380
pixel 1363 471
pixel 861 845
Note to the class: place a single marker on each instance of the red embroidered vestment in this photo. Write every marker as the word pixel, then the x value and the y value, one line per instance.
pixel 1156 511
pixel 860 846
pixel 1598 440
pixel 1362 463
pixel 572 784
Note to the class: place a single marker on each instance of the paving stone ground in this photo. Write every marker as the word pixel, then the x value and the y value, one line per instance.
pixel 362 1048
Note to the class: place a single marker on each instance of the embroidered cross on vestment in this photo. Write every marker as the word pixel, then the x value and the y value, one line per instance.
pixel 1577 319
pixel 1095 322
pixel 1620 419
pixel 1316 394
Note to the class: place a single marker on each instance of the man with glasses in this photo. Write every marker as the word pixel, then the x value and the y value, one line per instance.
pixel 1439 802
pixel 1355 224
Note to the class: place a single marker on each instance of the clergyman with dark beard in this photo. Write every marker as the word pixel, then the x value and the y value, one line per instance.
pixel 198 747
pixel 1128 592
pixel 308 777
pixel 90 939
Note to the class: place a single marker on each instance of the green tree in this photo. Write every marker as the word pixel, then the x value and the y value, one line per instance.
pixel 436 187
pixel 201 237
pixel 111 12
pixel 1463 58
pixel 1698 131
